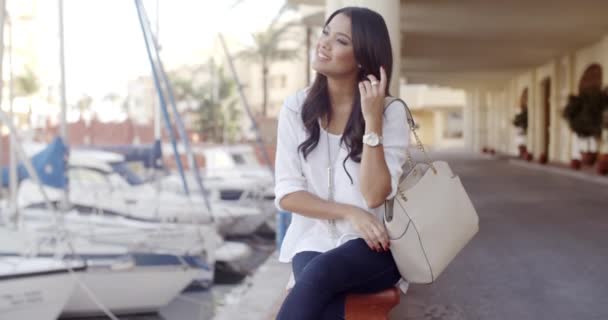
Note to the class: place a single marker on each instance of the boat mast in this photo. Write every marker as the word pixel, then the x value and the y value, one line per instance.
pixel 63 132
pixel 258 135
pixel 12 182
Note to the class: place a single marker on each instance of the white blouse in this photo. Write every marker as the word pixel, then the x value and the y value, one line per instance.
pixel 294 173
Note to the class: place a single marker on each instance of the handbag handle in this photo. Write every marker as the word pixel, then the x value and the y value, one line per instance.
pixel 413 127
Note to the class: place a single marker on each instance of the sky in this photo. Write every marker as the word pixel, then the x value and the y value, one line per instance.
pixel 104 43
pixel 104 46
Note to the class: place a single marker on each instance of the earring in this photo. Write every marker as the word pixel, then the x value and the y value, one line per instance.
pixel 359 65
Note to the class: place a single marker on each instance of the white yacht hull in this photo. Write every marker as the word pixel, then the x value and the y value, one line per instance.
pixel 34 288
pixel 138 289
pixel 39 297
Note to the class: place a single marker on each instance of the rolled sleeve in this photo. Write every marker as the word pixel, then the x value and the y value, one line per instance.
pixel 396 132
pixel 288 167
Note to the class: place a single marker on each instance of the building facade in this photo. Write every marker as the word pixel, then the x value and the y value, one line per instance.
pixel 505 56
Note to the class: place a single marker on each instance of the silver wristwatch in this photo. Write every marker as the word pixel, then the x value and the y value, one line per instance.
pixel 372 139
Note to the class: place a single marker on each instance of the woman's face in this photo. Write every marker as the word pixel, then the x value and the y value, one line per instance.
pixel 334 56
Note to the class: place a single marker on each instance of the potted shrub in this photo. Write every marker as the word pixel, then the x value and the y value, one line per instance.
pixel 584 116
pixel 521 122
pixel 602 165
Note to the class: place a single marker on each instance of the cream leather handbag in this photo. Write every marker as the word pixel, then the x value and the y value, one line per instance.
pixel 430 219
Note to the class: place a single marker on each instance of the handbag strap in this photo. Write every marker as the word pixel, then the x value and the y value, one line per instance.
pixel 413 127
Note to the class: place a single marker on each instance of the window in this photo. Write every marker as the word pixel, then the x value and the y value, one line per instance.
pixel 88 178
pixel 245 158
pixel 454 125
pixel 238 159
pixel 219 159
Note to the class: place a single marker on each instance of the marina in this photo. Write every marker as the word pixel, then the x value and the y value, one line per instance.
pixel 138 141
pixel 124 231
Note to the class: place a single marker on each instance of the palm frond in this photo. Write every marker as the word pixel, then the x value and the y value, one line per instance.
pixel 279 14
pixel 27 83
pixel 284 54
pixel 278 33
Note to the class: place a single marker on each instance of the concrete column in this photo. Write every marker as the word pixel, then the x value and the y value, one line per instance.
pixel 493 108
pixel 510 112
pixel 489 120
pixel 390 11
pixel 566 87
pixel 531 145
pixel 556 106
pixel 498 107
pixel 439 123
pixel 561 98
pixel 478 118
pixel 505 132
pixel 539 122
pixel 498 118
pixel 467 130
pixel 483 131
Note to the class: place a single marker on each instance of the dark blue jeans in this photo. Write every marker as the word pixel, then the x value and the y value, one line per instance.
pixel 324 279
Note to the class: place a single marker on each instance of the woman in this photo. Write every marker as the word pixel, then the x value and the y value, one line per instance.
pixel 339 157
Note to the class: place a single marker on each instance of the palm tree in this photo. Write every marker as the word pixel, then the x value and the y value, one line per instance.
pixel 216 116
pixel 266 50
pixel 83 104
pixel 114 98
pixel 124 105
pixel 26 85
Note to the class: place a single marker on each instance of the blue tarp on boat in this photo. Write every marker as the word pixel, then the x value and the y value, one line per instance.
pixel 149 154
pixel 50 165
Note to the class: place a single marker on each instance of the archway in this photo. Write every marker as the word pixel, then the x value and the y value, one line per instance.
pixel 591 79
pixel 523 100
pixel 546 129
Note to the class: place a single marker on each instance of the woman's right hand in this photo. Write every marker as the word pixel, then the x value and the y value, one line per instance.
pixel 372 231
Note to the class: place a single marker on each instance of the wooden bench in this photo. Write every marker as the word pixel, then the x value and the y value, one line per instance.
pixel 374 306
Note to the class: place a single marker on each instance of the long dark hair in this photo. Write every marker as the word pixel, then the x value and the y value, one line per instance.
pixel 372 49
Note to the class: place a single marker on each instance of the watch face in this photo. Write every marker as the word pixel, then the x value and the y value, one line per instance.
pixel 372 139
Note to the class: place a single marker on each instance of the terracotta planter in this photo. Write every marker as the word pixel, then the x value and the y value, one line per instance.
pixel 589 158
pixel 602 164
pixel 575 164
pixel 543 159
pixel 522 151
pixel 492 151
pixel 484 150
pixel 528 156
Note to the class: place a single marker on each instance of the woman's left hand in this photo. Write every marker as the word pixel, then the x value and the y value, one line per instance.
pixel 372 96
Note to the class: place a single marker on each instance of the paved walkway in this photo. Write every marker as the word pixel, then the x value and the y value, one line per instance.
pixel 541 252
pixel 259 296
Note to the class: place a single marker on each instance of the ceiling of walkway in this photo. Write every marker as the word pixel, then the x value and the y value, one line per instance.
pixel 481 42
pixel 465 43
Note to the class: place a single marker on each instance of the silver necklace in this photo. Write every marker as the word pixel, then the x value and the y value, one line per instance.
pixel 330 184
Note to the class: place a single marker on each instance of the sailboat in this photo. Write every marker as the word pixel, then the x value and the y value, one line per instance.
pixel 103 199
pixel 30 288
pixel 114 273
pixel 35 288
